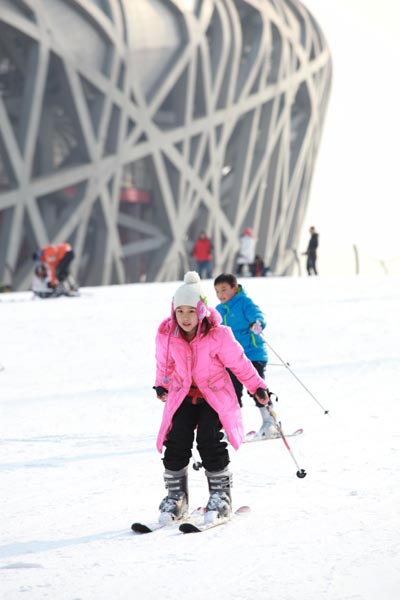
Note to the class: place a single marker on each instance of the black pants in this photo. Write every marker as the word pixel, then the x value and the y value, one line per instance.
pixel 259 365
pixel 62 270
pixel 178 445
pixel 250 267
pixel 312 264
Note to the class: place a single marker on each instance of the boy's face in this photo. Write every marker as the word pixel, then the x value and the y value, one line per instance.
pixel 225 292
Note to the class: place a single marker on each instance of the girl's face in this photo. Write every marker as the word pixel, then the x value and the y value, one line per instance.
pixel 225 292
pixel 187 319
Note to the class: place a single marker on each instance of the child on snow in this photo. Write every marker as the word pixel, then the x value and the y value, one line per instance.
pixel 247 322
pixel 57 260
pixel 193 350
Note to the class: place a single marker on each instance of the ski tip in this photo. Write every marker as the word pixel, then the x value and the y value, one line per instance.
pixel 140 528
pixel 242 510
pixel 250 436
pixel 189 528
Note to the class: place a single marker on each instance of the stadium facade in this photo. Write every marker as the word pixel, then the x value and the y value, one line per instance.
pixel 127 126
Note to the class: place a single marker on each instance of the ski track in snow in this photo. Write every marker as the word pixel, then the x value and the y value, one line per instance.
pixel 79 465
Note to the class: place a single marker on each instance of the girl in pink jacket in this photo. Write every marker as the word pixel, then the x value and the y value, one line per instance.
pixel 193 350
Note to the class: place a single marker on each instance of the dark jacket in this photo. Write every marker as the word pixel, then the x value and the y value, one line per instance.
pixel 312 245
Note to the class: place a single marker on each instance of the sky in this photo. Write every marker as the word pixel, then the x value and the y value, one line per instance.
pixel 78 463
pixel 355 192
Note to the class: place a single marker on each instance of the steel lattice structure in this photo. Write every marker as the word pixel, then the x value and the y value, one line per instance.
pixel 128 126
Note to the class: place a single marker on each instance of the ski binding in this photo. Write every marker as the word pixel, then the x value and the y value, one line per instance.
pixel 250 436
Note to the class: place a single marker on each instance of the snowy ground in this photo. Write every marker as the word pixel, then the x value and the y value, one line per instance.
pixel 78 460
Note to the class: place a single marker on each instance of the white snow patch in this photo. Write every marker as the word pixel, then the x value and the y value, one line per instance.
pixel 78 460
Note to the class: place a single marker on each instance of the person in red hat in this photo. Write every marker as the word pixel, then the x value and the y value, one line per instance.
pixel 247 251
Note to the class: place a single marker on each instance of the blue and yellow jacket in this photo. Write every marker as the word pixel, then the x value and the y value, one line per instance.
pixel 239 313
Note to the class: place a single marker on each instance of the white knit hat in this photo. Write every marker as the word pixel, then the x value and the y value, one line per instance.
pixel 190 293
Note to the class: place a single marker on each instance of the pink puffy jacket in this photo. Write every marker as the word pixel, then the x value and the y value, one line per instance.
pixel 203 361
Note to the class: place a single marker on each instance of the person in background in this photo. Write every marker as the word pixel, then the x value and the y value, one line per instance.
pixel 311 252
pixel 247 251
pixel 258 268
pixel 193 351
pixel 57 259
pixel 247 322
pixel 202 252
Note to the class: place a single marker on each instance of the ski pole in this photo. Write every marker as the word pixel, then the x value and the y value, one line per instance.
pixel 301 473
pixel 286 364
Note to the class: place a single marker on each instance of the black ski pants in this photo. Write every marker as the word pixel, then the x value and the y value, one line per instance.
pixel 312 264
pixel 259 365
pixel 62 270
pixel 179 442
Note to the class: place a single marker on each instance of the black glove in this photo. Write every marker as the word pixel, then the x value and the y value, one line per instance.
pixel 160 391
pixel 50 285
pixel 261 393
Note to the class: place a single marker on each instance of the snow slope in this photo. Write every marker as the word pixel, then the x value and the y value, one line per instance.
pixel 78 459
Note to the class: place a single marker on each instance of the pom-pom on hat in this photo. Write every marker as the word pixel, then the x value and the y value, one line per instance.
pixel 191 294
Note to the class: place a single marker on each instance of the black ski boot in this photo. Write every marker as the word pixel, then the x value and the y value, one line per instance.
pixel 219 504
pixel 175 505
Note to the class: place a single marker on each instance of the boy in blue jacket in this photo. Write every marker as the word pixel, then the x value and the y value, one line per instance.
pixel 247 322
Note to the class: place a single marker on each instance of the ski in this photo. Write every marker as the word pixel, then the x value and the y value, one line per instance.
pixel 250 436
pixel 193 528
pixel 142 528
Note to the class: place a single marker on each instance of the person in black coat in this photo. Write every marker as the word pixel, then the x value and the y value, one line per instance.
pixel 311 252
